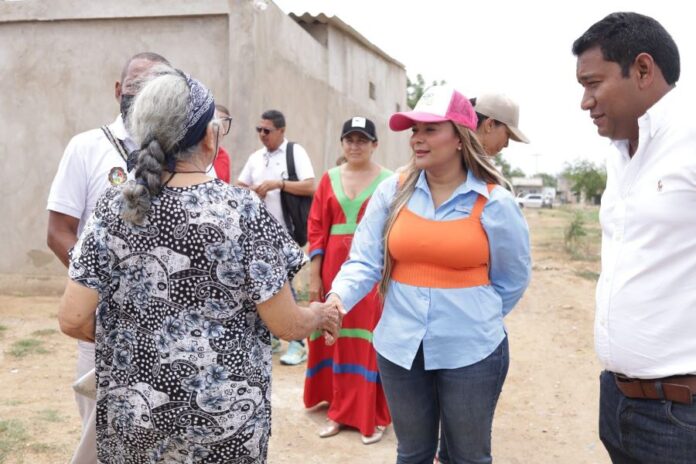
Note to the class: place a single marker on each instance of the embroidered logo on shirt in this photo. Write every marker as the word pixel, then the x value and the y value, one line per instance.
pixel 659 185
pixel 117 176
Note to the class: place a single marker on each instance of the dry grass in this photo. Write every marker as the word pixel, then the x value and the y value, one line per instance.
pixel 552 228
pixel 12 436
pixel 26 347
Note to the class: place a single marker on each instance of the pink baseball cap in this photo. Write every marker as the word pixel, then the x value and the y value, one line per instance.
pixel 438 104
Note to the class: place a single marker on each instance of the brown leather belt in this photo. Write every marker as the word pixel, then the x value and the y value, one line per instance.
pixel 679 388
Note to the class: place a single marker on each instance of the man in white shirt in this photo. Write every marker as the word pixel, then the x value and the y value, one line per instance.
pixel 92 161
pixel 266 173
pixel 628 65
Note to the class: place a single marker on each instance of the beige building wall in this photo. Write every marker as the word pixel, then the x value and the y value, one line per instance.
pixel 60 59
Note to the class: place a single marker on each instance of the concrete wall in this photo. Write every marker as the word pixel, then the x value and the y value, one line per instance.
pixel 351 70
pixel 61 58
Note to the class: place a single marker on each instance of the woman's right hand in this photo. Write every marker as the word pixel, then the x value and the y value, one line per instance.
pixel 316 289
pixel 331 317
pixel 334 301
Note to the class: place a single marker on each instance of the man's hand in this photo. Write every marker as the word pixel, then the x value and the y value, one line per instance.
pixel 266 186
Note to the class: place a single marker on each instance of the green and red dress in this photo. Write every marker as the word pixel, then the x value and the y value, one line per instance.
pixel 344 374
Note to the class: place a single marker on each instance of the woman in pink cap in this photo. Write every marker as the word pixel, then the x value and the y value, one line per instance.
pixel 450 250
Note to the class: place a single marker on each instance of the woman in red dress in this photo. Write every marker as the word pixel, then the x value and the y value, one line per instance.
pixel 345 374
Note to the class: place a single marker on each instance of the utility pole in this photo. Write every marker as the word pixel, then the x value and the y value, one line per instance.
pixel 536 162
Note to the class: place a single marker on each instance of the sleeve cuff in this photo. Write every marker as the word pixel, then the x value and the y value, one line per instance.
pixel 348 303
pixel 316 252
pixel 63 208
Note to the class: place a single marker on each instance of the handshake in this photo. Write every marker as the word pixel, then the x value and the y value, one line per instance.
pixel 330 314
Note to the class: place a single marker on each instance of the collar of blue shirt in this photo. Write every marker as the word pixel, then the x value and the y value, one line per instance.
pixel 471 183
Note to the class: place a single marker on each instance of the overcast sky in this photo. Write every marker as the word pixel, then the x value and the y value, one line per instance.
pixel 521 48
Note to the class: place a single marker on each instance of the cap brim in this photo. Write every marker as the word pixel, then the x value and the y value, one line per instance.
pixel 362 131
pixel 517 135
pixel 403 121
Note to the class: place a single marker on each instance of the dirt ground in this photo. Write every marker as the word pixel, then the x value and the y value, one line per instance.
pixel 547 412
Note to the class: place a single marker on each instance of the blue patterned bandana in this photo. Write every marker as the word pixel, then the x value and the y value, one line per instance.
pixel 201 112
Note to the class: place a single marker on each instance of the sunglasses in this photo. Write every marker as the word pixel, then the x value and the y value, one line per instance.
pixel 264 130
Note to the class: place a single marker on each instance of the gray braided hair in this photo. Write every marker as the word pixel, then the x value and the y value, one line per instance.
pixel 157 119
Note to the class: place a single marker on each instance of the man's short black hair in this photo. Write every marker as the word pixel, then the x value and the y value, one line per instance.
pixel 276 117
pixel 623 36
pixel 149 56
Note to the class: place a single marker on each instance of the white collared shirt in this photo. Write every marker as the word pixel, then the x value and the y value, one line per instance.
pixel 256 170
pixel 84 169
pixel 646 295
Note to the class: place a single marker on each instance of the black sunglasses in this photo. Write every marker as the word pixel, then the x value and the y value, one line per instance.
pixel 264 130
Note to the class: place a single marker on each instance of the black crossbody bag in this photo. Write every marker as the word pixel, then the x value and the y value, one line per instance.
pixel 295 207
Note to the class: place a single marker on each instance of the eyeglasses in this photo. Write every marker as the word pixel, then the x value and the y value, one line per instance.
pixel 225 125
pixel 265 130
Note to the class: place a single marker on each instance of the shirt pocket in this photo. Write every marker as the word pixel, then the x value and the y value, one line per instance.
pixel 663 199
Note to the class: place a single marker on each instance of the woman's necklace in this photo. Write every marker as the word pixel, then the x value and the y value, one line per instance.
pixel 175 172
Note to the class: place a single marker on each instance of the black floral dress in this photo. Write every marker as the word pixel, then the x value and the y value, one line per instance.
pixel 183 360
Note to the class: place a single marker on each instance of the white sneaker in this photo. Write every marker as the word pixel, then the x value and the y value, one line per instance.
pixel 296 354
pixel 275 344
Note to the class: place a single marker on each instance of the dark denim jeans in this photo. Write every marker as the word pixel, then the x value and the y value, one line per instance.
pixel 461 401
pixel 645 431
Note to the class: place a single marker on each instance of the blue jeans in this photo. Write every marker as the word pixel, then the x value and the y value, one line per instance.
pixel 637 431
pixel 460 401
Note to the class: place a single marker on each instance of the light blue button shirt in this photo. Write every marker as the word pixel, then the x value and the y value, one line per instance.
pixel 457 326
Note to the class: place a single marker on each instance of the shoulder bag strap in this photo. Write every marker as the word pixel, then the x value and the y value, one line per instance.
pixel 118 145
pixel 290 160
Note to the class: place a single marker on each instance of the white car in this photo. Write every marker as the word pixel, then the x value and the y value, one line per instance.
pixel 531 200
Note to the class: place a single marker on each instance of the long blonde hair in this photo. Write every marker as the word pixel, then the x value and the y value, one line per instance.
pixel 473 158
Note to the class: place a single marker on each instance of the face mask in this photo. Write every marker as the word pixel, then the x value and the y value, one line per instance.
pixel 126 103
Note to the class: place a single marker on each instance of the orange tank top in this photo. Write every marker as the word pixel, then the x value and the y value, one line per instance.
pixel 440 254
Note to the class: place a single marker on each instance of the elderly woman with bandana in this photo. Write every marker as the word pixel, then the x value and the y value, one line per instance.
pixel 178 278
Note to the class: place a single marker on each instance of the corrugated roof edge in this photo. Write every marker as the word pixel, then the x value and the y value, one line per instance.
pixel 338 23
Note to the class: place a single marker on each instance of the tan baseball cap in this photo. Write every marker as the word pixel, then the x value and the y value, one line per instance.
pixel 502 108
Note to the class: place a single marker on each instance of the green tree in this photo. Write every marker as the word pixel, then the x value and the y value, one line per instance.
pixel 415 89
pixel 548 179
pixel 586 178
pixel 505 168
